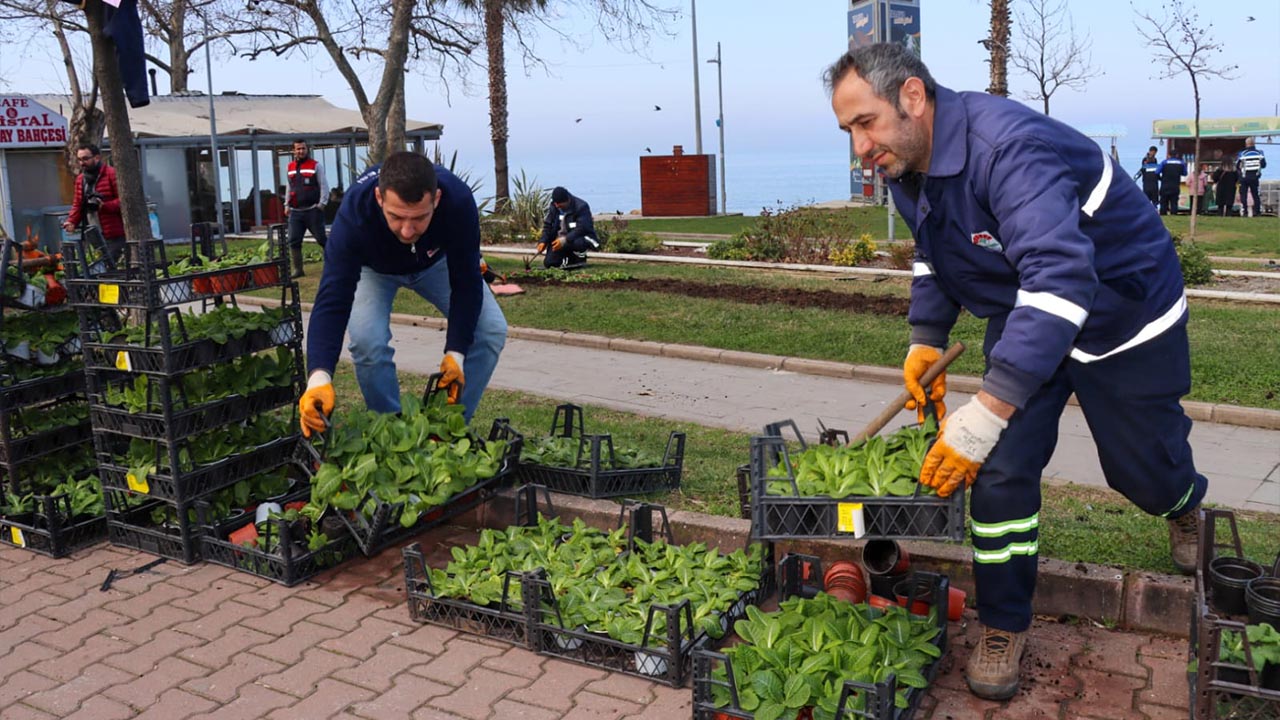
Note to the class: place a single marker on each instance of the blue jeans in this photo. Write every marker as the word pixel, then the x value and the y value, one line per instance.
pixel 370 333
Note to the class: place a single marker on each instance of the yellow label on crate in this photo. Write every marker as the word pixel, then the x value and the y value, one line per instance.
pixel 138 484
pixel 122 361
pixel 109 294
pixel 849 519
pixel 18 539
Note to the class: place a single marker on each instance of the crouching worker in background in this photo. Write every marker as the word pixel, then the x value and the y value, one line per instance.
pixel 568 232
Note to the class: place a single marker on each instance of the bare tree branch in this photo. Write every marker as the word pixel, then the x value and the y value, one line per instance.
pixel 1048 49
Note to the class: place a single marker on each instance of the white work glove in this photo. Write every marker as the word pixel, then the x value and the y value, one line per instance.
pixel 965 440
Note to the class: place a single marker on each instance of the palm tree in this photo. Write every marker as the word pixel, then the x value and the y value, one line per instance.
pixel 998 44
pixel 496 15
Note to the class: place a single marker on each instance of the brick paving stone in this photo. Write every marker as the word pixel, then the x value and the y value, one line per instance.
pixel 426 638
pixel 556 684
pixel 668 703
pixel 28 656
pixel 223 685
pixel 1106 695
pixel 348 615
pixel 1164 647
pixel 590 706
pixel 211 625
pixel 406 693
pixel 24 712
pixel 431 713
pixel 37 602
pixel 253 702
pixel 1168 681
pixel 216 596
pixel 34 580
pixel 451 666
pixel 145 690
pixel 66 611
pixel 102 708
pixel 482 689
pixel 281 620
pixel 1164 712
pixel 144 628
pixel 66 665
pixel 85 564
pixel 397 614
pixel 303 677
pixel 362 642
pixel 176 705
pixel 626 687
pixel 387 662
pixel 507 708
pixel 301 637
pixel 143 658
pixel 67 697
pixel 959 705
pixel 518 661
pixel 267 595
pixel 1112 652
pixel 71 636
pixel 78 587
pixel 204 577
pixel 229 647
pixel 143 604
pixel 329 699
pixel 20 685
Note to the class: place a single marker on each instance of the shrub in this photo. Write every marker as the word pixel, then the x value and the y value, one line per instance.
pixel 748 245
pixel 902 255
pixel 848 254
pixel 630 241
pixel 1196 268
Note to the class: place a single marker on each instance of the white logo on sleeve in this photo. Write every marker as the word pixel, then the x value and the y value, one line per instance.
pixel 986 241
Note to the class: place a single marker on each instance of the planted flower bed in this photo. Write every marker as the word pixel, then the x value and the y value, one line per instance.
pixel 392 476
pixel 849 491
pixel 617 600
pixel 826 659
pixel 571 461
pixel 1234 669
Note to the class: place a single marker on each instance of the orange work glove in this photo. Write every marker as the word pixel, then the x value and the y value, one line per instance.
pixel 452 380
pixel 964 442
pixel 541 247
pixel 314 407
pixel 919 359
pixel 558 243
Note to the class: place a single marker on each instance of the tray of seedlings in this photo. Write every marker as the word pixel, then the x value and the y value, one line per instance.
pixel 834 489
pixel 1234 656
pixel 629 601
pixel 800 661
pixel 569 460
pixel 54 506
pixel 389 477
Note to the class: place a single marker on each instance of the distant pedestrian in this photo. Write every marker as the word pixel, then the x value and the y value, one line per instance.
pixel 1249 164
pixel 1198 188
pixel 1171 171
pixel 308 192
pixel 568 231
pixel 1224 185
pixel 1149 173
pixel 97 202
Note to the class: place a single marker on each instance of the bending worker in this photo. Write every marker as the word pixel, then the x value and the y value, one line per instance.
pixel 404 224
pixel 568 232
pixel 1023 221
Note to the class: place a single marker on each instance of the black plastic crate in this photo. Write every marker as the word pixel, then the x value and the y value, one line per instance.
pixel 21 450
pixel 174 355
pixel 184 423
pixel 291 565
pixel 51 530
pixel 599 478
pixel 144 293
pixel 789 517
pixel 202 479
pixel 131 526
pixel 41 389
pixel 879 697
pixel 1221 689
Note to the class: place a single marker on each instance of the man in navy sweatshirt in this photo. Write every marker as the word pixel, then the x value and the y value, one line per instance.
pixel 403 224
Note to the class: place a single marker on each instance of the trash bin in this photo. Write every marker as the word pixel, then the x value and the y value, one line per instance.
pixel 51 233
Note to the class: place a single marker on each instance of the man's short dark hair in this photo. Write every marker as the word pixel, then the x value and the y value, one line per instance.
pixel 409 175
pixel 885 67
pixel 559 195
pixel 1151 149
pixel 300 141
pixel 93 149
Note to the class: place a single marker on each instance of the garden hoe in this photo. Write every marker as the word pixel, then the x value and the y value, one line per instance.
pixel 895 405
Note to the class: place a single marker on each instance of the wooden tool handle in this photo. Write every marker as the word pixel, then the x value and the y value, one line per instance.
pixel 895 406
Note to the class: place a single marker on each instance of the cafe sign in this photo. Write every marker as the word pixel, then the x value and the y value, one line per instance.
pixel 25 123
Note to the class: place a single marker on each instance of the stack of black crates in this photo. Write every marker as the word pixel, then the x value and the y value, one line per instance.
pixel 51 502
pixel 192 399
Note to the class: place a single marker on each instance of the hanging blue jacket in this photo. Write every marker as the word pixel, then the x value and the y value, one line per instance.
pixel 361 238
pixel 1023 220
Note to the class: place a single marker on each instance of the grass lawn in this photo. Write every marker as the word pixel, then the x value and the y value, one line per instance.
pixel 1241 237
pixel 1079 523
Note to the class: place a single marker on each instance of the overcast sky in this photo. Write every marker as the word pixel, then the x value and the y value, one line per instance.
pixel 773 99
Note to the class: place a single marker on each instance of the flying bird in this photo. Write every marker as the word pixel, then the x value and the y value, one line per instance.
pixel 657 107
pixel 648 150
pixel 578 120
pixel 1249 19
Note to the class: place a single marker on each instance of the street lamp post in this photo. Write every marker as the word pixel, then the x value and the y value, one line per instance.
pixel 720 123
pixel 213 127
pixel 697 96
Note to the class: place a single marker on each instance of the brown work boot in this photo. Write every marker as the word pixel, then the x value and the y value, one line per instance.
pixel 993 667
pixel 1184 540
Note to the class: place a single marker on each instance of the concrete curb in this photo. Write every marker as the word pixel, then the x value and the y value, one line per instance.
pixel 1138 601
pixel 1197 411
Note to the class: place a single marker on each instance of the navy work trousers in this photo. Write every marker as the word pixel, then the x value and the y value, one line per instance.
pixel 302 220
pixel 1130 402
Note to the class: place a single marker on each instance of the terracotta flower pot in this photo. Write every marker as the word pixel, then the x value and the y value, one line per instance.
pixel 885 557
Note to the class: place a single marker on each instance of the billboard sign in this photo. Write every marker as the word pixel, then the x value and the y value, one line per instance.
pixel 25 123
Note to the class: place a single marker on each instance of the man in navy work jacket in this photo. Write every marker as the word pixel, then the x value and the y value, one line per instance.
pixel 1022 220
pixel 1171 171
pixel 404 224
pixel 568 231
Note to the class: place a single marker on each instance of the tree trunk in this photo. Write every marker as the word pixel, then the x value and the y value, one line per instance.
pixel 396 119
pixel 124 154
pixel 999 48
pixel 498 130
pixel 179 55
pixel 377 114
pixel 1195 162
pixel 85 127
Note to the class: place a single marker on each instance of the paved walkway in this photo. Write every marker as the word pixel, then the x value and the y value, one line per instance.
pixel 210 643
